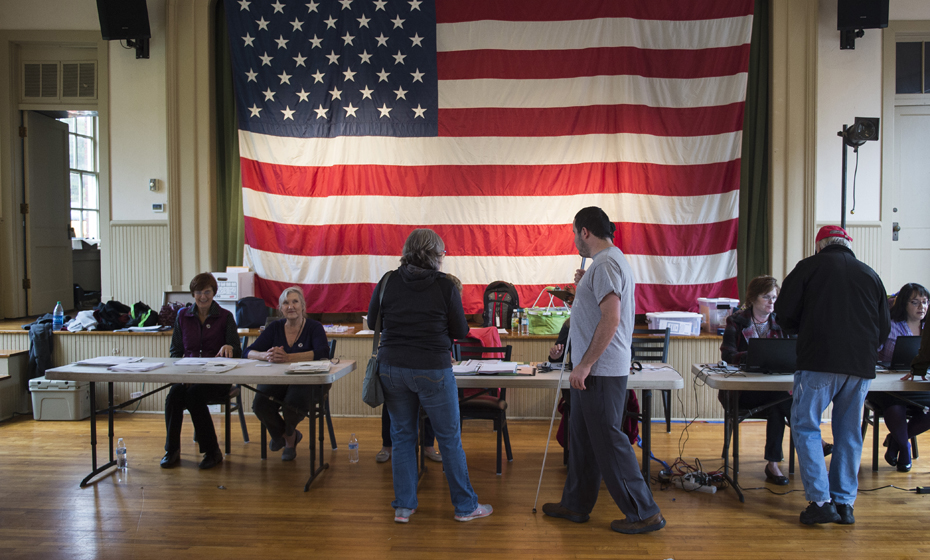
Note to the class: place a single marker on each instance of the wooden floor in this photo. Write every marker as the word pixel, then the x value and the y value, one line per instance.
pixel 249 509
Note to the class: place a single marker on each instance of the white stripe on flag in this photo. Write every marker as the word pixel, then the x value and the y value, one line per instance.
pixel 594 33
pixel 491 150
pixel 349 269
pixel 474 210
pixel 593 90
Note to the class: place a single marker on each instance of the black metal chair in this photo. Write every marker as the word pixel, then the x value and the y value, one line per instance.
pixel 232 403
pixel 758 413
pixel 871 415
pixel 327 415
pixel 489 405
pixel 651 345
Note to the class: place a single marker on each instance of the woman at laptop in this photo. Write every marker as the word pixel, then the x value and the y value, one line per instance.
pixel 755 319
pixel 908 318
pixel 296 338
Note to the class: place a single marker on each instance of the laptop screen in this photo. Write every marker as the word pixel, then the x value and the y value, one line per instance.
pixel 771 355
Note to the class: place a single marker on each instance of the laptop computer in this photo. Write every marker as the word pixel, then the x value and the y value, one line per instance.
pixel 771 355
pixel 905 348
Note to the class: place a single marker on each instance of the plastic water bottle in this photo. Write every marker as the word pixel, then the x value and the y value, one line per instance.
pixel 515 322
pixel 525 323
pixel 121 461
pixel 58 317
pixel 353 449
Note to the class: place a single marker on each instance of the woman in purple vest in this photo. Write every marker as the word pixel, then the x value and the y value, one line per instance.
pixel 296 338
pixel 201 330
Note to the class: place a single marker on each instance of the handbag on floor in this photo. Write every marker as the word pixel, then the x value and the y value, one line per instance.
pixel 372 393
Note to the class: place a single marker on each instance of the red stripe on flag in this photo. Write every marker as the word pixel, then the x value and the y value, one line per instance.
pixel 601 61
pixel 354 298
pixel 453 11
pixel 664 297
pixel 474 240
pixel 592 119
pixel 479 180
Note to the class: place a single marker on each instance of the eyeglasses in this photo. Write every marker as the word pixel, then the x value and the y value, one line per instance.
pixel 919 302
pixel 770 298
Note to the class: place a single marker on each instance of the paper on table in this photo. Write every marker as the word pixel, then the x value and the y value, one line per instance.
pixel 108 361
pixel 202 361
pixel 316 366
pixel 136 367
pixel 464 367
pixel 365 331
pixel 497 367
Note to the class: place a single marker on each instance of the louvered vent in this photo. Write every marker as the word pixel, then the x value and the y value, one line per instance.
pixel 40 80
pixel 79 79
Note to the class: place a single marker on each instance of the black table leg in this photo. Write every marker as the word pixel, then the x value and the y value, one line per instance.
pixel 95 470
pixel 647 432
pixel 316 412
pixel 732 414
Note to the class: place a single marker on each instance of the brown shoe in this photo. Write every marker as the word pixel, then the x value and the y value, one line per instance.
pixel 556 510
pixel 647 525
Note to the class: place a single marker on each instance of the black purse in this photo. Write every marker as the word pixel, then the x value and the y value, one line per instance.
pixel 372 393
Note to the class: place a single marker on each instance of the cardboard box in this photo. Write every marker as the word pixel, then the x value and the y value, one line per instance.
pixel 59 400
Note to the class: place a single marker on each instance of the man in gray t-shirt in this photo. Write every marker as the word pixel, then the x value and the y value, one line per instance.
pixel 601 332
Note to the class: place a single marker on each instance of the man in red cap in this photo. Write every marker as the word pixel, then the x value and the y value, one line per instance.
pixel 838 308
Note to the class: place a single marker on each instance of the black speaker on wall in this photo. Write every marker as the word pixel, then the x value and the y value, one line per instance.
pixel 126 20
pixel 861 14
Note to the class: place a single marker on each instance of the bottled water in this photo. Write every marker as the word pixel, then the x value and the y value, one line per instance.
pixel 353 449
pixel 58 317
pixel 525 323
pixel 121 461
pixel 515 322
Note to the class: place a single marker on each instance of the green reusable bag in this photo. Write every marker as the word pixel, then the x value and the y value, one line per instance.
pixel 547 320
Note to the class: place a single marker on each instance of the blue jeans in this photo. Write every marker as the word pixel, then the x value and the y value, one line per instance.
pixel 813 392
pixel 405 390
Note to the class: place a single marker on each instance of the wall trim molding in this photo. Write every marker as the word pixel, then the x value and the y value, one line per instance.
pixel 137 223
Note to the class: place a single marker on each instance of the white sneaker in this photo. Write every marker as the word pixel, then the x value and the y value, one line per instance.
pixel 483 510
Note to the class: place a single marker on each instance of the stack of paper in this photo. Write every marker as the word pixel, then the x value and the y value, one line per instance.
pixel 136 367
pixel 108 361
pixel 316 366
pixel 497 367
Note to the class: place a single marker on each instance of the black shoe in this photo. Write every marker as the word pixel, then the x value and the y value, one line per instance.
pixel 647 525
pixel 211 459
pixel 827 449
pixel 775 479
pixel 891 455
pixel 904 468
pixel 845 512
pixel 171 459
pixel 823 514
pixel 556 510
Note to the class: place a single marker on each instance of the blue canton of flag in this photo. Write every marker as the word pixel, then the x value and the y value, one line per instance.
pixel 335 68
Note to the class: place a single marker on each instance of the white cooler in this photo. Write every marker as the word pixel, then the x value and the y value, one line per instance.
pixel 59 400
pixel 715 312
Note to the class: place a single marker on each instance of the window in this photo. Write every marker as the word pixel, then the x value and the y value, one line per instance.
pixel 82 147
pixel 912 67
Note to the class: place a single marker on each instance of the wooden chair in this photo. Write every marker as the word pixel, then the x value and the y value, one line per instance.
pixel 651 345
pixel 871 415
pixel 492 404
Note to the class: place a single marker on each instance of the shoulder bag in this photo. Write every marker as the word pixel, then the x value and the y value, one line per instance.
pixel 372 393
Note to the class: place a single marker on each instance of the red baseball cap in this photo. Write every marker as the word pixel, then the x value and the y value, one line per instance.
pixel 832 231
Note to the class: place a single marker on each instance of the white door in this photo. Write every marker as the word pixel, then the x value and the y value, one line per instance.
pixel 48 221
pixel 910 198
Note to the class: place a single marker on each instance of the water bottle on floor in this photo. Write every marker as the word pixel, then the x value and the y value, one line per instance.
pixel 121 461
pixel 353 449
pixel 58 317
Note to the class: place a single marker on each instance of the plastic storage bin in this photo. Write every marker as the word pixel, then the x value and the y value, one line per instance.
pixel 680 323
pixel 715 312
pixel 59 400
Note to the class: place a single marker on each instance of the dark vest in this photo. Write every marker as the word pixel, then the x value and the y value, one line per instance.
pixel 203 340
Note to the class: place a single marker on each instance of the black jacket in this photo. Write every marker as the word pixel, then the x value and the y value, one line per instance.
pixel 421 315
pixel 838 308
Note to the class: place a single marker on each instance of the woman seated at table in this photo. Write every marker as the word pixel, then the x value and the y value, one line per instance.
pixel 421 314
pixel 755 319
pixel 201 330
pixel 295 338
pixel 908 315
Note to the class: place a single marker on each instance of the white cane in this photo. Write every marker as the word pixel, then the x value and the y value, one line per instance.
pixel 555 405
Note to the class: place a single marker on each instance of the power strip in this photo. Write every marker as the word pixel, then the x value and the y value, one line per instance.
pixel 693 486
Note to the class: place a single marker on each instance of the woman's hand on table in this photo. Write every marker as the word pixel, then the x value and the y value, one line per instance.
pixel 276 355
pixel 225 352
pixel 910 377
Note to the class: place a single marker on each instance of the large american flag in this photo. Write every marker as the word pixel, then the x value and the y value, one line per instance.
pixel 492 122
